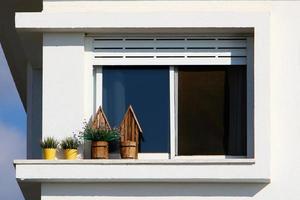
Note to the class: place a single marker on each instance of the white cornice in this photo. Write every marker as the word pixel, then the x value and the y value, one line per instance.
pixel 89 21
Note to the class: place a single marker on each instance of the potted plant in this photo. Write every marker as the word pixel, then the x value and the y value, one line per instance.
pixel 70 145
pixel 100 138
pixel 49 145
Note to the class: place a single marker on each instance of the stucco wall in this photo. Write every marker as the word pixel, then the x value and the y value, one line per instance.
pixel 63 88
pixel 285 96
pixel 59 73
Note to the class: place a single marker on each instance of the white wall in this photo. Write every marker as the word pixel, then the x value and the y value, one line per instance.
pixel 285 98
pixel 63 84
pixel 285 109
pixel 151 5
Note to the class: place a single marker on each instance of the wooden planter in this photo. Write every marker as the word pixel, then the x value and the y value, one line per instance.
pixel 128 150
pixel 99 150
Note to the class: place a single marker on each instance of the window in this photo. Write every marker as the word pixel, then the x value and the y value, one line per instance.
pixel 199 54
pixel 147 90
pixel 212 110
pixel 211 107
pixel 200 87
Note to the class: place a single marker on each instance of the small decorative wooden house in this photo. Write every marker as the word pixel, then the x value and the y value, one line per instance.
pixel 100 120
pixel 130 129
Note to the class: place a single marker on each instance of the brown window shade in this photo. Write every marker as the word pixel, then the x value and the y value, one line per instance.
pixel 211 111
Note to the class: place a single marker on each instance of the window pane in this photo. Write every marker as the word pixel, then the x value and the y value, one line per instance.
pixel 147 90
pixel 211 114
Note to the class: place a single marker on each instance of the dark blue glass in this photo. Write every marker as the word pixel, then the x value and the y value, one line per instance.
pixel 147 90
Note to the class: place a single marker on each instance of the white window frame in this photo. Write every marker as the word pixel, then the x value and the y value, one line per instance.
pixel 173 88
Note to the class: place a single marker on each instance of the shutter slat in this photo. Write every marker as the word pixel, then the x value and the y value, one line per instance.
pixel 170 51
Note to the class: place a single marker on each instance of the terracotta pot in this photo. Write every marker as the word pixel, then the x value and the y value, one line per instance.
pixel 49 153
pixel 99 150
pixel 70 154
pixel 128 150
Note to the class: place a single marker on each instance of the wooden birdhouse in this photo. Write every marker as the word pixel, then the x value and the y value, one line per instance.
pixel 100 120
pixel 130 129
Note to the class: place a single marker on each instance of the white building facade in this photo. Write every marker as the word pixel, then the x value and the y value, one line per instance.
pixel 82 41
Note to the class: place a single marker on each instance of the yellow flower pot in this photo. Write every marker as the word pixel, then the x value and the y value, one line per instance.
pixel 70 154
pixel 49 153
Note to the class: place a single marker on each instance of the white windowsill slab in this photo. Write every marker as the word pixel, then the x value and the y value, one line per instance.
pixel 118 170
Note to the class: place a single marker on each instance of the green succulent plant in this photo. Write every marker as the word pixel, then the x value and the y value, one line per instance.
pixel 49 143
pixel 70 143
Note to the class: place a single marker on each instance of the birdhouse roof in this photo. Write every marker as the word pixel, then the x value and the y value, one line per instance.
pixel 130 110
pixel 100 116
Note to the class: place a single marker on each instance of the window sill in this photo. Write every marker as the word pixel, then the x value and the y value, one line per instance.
pixel 117 170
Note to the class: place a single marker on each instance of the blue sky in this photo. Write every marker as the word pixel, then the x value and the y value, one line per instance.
pixel 12 132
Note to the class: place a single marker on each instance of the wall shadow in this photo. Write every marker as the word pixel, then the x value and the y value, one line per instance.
pixel 154 189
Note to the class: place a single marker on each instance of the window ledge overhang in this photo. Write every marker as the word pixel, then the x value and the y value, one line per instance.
pixel 206 171
pixel 97 21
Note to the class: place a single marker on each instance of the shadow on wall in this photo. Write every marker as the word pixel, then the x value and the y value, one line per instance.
pixel 153 189
pixel 31 190
pixel 63 40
